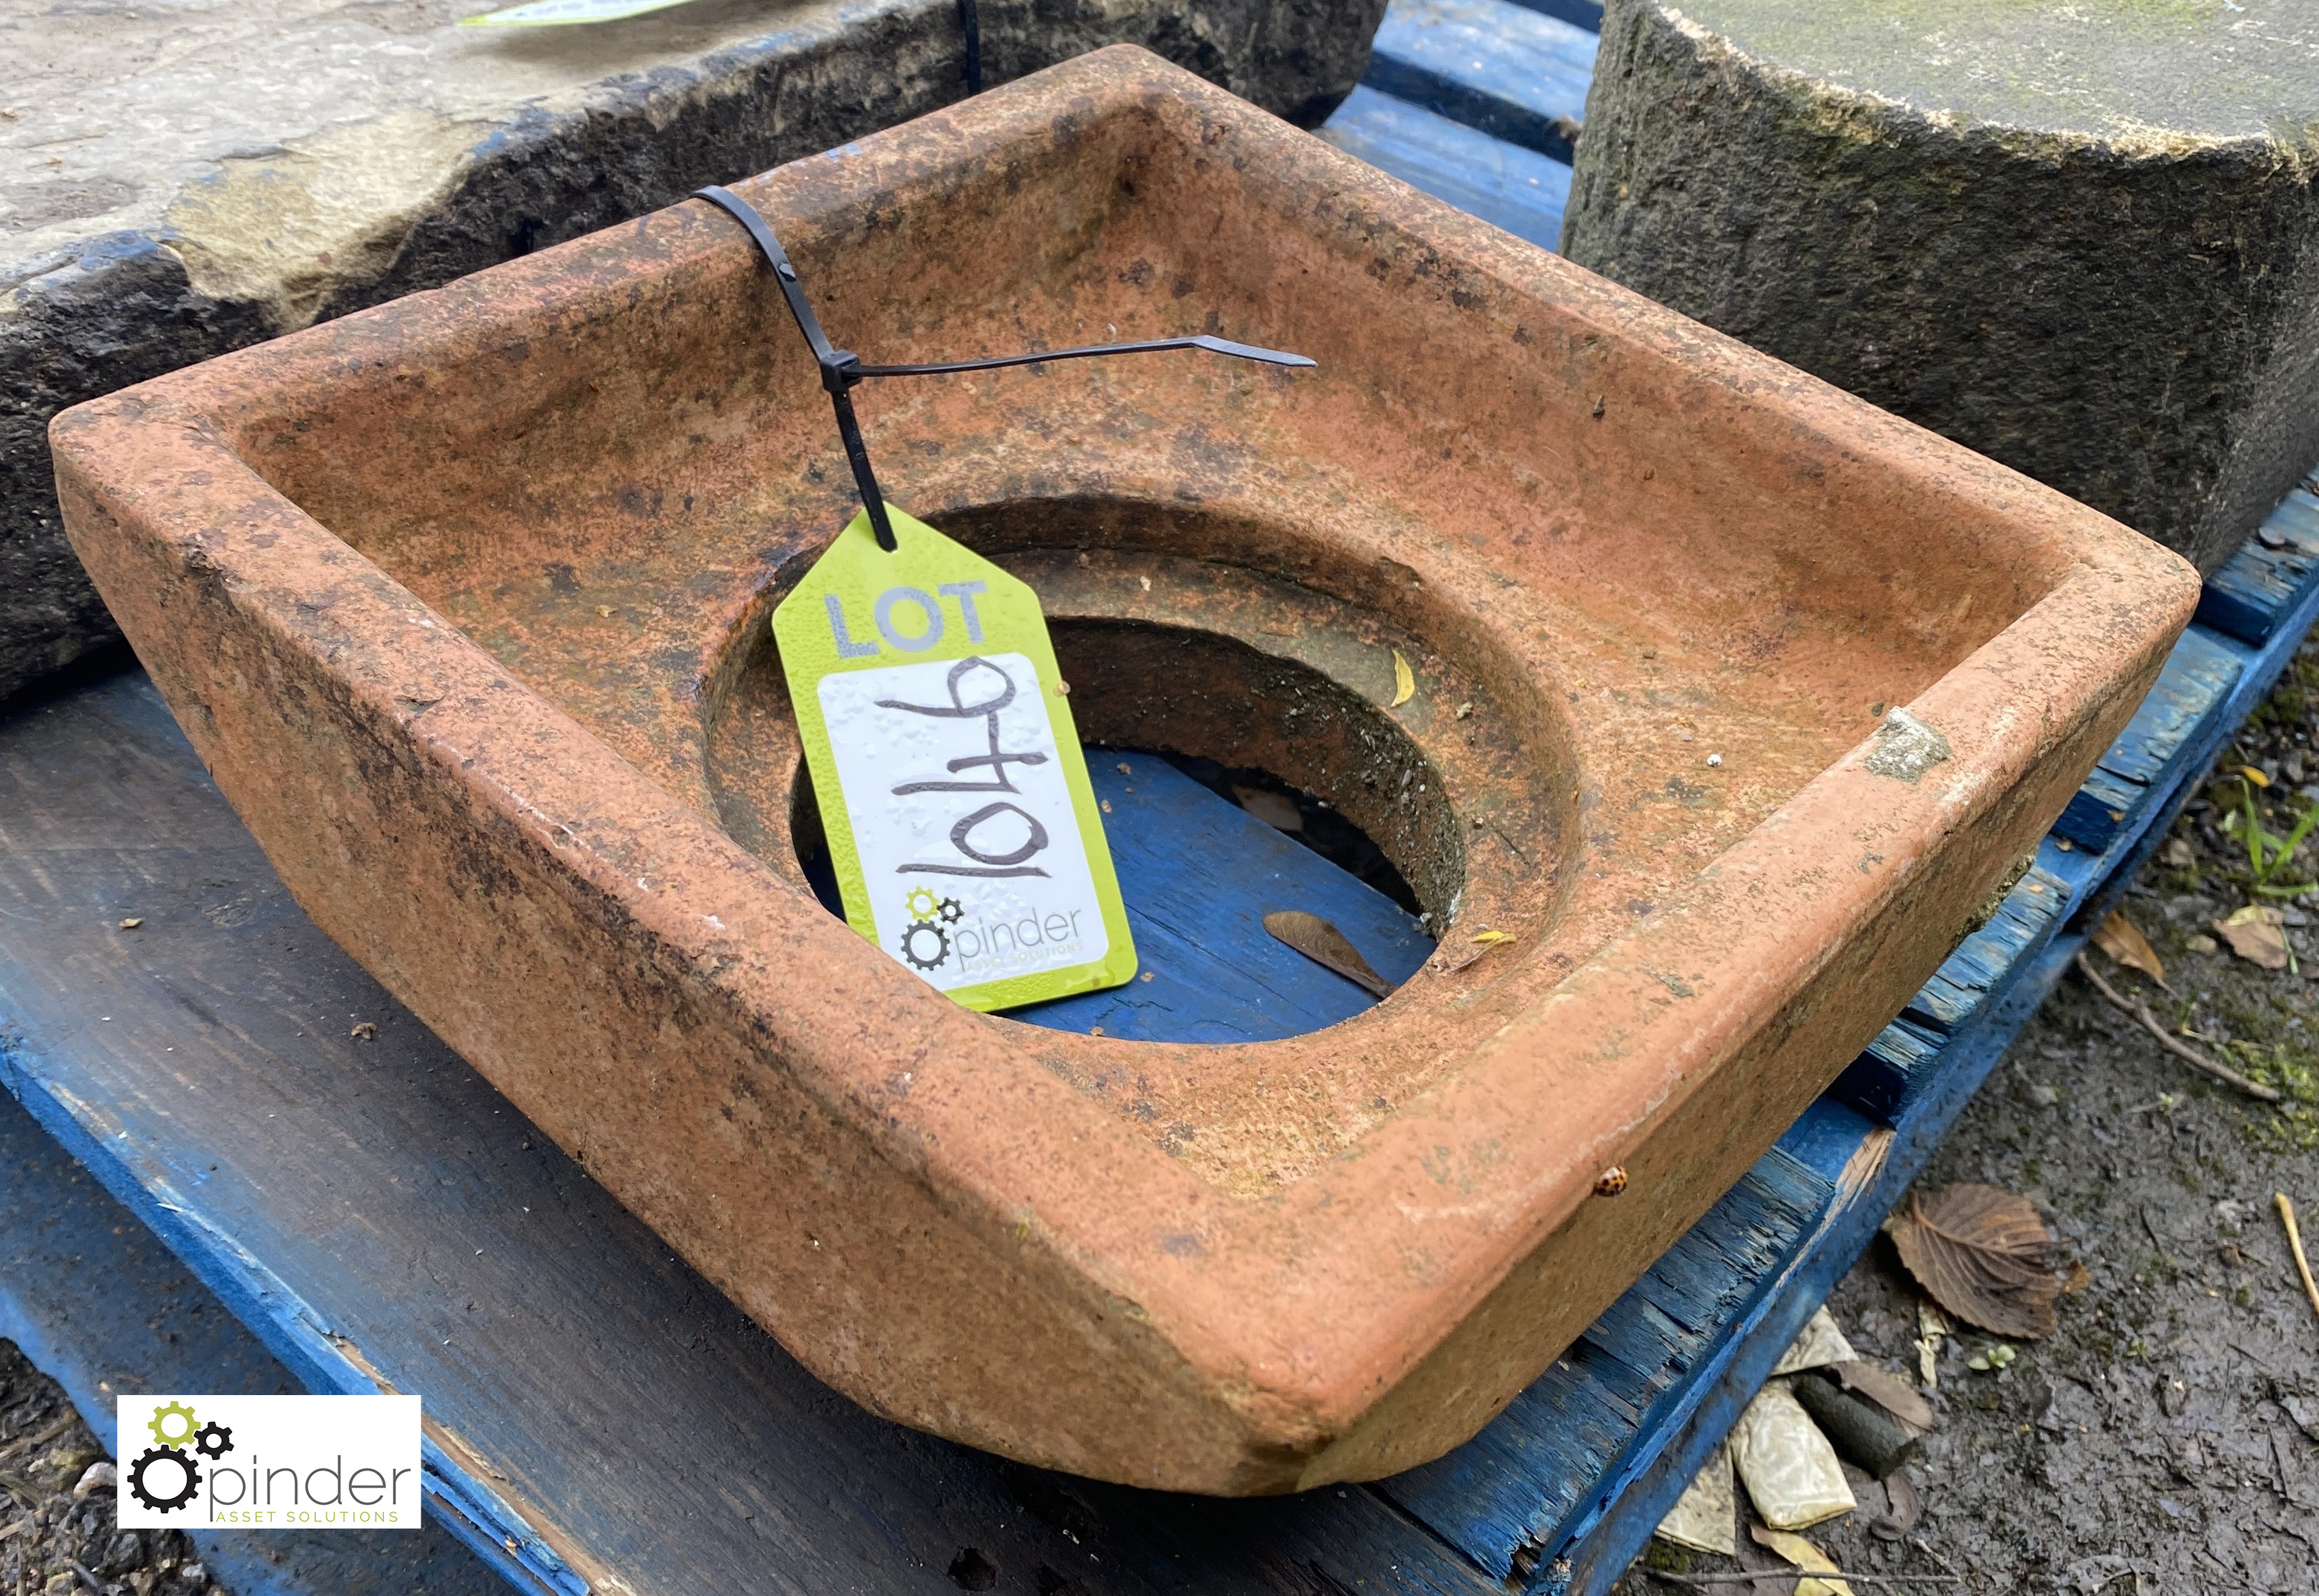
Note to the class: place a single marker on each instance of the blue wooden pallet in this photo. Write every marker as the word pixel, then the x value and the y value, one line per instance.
pixel 159 1062
pixel 1516 189
pixel 579 1314
pixel 2251 591
pixel 1499 69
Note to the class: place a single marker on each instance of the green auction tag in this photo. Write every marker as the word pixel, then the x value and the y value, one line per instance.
pixel 961 824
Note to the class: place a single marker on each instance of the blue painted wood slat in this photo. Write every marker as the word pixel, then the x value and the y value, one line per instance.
pixel 2256 586
pixel 1198 875
pixel 1499 69
pixel 1511 188
pixel 1578 14
pixel 94 1299
pixel 2199 675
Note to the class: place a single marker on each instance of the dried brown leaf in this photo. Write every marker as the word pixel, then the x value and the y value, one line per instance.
pixel 2118 937
pixel 2256 935
pixel 1326 946
pixel 1981 1251
pixel 1275 810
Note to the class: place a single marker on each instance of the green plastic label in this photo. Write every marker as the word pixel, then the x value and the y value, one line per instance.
pixel 560 13
pixel 962 825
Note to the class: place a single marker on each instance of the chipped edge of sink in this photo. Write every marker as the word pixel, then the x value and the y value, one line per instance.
pixel 1358 1323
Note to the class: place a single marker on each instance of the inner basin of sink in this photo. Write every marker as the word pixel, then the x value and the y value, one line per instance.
pixel 1198 873
pixel 1732 699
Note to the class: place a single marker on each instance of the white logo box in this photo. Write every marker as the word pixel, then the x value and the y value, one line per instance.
pixel 197 1462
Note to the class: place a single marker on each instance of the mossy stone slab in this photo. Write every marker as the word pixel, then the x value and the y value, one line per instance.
pixel 177 181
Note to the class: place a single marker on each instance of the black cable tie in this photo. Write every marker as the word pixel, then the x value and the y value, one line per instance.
pixel 1215 345
pixel 842 369
pixel 971 21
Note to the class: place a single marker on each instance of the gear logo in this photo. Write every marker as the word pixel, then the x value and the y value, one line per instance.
pixel 172 1465
pixel 167 1433
pixel 303 1463
pixel 925 945
pixel 164 1478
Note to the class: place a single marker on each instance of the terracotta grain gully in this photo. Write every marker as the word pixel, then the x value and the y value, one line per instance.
pixel 463 600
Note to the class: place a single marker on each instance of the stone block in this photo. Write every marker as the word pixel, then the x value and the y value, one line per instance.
pixel 176 182
pixel 2080 238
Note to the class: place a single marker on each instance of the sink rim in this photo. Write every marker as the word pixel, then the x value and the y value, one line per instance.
pixel 1290 1316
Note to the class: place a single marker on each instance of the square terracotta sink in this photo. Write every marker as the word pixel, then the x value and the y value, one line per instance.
pixel 1735 699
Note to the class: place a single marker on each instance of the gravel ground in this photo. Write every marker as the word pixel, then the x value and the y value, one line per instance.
pixel 56 1539
pixel 2166 1438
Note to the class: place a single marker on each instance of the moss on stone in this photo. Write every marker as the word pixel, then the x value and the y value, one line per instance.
pixel 2201 69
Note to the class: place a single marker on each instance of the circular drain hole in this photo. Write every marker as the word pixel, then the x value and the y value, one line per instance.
pixel 1179 722
pixel 1281 691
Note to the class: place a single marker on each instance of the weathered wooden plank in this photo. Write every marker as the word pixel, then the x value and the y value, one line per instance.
pixel 1987 959
pixel 1880 1080
pixel 97 1302
pixel 1578 14
pixel 1909 1056
pixel 2199 675
pixel 2147 826
pixel 1498 67
pixel 2256 587
pixel 1509 187
pixel 375 1212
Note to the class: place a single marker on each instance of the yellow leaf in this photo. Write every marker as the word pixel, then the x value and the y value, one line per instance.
pixel 2118 937
pixel 1404 680
pixel 2253 775
pixel 1802 1554
pixel 1491 939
